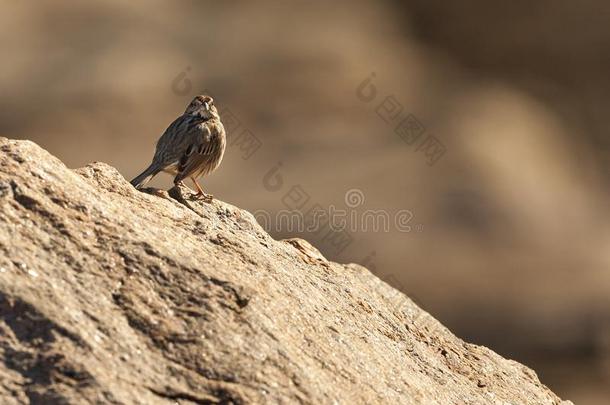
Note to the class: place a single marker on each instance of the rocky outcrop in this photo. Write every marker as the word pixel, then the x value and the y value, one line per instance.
pixel 110 295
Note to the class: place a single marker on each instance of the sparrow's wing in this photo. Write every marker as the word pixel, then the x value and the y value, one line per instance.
pixel 176 140
pixel 202 153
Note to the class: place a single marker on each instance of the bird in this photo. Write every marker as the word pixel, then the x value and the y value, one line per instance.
pixel 192 146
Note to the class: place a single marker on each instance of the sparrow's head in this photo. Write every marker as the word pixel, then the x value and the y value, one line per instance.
pixel 202 106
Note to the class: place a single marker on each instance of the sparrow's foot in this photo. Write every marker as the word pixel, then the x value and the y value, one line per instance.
pixel 201 195
pixel 208 198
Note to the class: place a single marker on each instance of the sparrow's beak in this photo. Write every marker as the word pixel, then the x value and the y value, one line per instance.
pixel 206 105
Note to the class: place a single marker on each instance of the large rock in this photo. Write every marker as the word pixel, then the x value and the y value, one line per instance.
pixel 110 295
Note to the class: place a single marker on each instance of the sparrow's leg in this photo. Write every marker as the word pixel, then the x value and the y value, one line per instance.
pixel 201 194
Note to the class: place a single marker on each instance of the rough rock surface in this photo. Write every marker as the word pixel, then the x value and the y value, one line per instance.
pixel 110 295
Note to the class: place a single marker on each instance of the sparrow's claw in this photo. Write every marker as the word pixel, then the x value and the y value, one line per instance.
pixel 208 198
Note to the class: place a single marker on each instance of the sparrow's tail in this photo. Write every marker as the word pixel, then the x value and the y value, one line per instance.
pixel 146 176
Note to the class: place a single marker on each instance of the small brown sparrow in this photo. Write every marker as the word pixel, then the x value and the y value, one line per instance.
pixel 192 146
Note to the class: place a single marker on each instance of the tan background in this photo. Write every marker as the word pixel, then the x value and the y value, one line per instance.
pixel 512 251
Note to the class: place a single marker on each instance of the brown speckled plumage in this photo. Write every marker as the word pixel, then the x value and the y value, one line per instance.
pixel 192 146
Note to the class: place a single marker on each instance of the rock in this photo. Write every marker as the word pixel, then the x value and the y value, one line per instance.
pixel 111 295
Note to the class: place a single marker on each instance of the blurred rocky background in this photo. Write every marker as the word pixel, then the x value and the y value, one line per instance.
pixel 486 123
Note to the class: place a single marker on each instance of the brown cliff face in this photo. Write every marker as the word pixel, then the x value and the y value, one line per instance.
pixel 110 295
